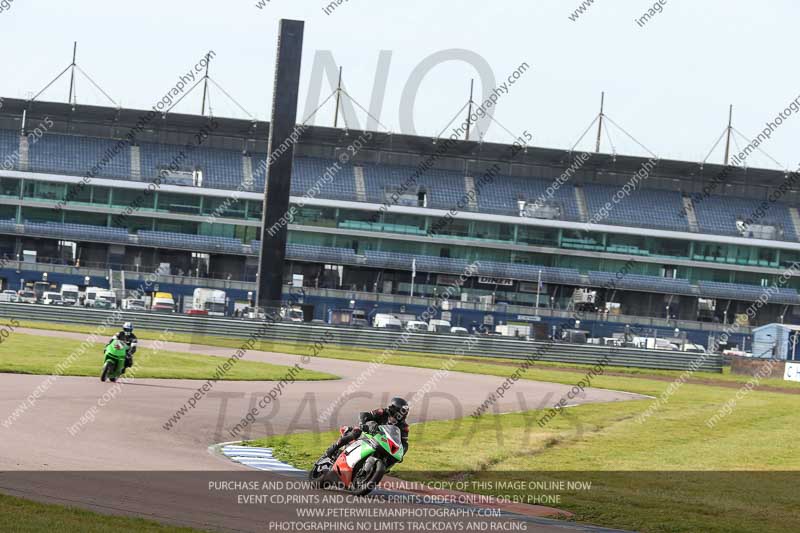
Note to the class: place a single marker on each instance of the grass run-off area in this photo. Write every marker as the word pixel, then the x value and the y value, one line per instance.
pixel 21 353
pixel 25 516
pixel 669 472
pixel 544 371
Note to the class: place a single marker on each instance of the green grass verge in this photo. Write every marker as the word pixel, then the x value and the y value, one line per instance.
pixel 25 516
pixel 546 371
pixel 31 354
pixel 641 472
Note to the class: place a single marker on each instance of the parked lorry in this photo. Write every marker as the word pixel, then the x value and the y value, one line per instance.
pixel 293 313
pixel 386 321
pixel 69 294
pixel 134 304
pixel 94 294
pixel 513 330
pixel 347 317
pixel 208 302
pixel 162 301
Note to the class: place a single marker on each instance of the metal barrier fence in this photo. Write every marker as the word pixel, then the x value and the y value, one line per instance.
pixel 307 334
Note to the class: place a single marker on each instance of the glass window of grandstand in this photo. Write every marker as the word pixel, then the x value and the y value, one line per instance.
pixel 41 214
pixel 223 207
pixel 358 219
pixel 789 258
pixel 537 236
pixel 179 203
pixel 9 187
pixel 492 231
pixel 334 241
pixel 668 247
pixel 733 254
pixel 246 234
pixel 86 217
pixel 627 244
pixel 255 209
pixel 177 226
pixel 44 190
pixel 8 212
pixel 456 227
pixel 79 195
pixel 400 223
pixel 135 198
pixel 133 224
pixel 581 240
pixel 315 216
pixel 100 195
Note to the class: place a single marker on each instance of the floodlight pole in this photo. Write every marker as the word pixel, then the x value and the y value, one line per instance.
pixel 600 121
pixel 469 111
pixel 730 129
pixel 72 72
pixel 205 90
pixel 338 99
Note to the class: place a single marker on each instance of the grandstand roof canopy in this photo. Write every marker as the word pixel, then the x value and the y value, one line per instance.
pixel 251 136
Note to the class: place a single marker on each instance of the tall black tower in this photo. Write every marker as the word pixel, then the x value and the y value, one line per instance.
pixel 279 168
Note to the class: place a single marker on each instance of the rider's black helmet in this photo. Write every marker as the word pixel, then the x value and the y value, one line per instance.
pixel 398 408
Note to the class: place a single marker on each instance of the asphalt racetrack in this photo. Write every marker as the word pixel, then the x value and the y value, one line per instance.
pixel 166 471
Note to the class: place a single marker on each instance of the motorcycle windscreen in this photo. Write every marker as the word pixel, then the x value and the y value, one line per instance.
pixel 394 437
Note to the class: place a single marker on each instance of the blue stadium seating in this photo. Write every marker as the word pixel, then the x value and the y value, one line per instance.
pixel 222 169
pixel 200 243
pixel 643 208
pixel 639 282
pixel 9 147
pixel 502 195
pixel 735 291
pixel 76 232
pixel 320 254
pixel 718 214
pixel 78 155
pixel 444 189
pixel 308 172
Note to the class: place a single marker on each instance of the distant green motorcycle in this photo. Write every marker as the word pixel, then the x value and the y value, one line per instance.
pixel 114 361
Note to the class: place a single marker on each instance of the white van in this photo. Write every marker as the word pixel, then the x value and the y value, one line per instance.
pixel 52 298
pixel 385 321
pixel 439 326
pixel 9 296
pixel 461 332
pixel 416 326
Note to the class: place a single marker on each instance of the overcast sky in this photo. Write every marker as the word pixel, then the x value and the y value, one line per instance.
pixel 668 83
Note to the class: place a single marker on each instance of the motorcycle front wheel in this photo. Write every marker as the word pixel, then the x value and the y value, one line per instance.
pixel 319 471
pixel 367 479
pixel 106 371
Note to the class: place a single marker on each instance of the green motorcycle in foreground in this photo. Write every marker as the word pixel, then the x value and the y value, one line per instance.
pixel 114 360
pixel 362 464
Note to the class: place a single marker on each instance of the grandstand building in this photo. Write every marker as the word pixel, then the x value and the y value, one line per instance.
pixel 91 196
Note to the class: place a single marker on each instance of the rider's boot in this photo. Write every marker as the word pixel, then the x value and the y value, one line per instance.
pixel 331 452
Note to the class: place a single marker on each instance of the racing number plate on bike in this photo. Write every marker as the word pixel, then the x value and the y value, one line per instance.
pixel 353 453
